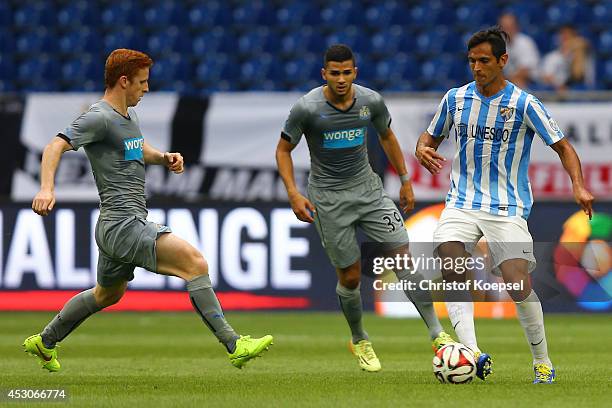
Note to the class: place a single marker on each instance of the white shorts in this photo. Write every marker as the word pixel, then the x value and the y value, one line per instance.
pixel 507 237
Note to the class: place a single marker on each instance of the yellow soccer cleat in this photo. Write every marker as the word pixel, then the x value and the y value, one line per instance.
pixel 365 354
pixel 248 348
pixel 46 357
pixel 442 340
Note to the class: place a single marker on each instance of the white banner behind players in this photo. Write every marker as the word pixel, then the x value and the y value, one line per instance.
pixel 242 130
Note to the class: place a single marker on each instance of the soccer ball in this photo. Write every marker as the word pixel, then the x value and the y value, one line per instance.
pixel 454 363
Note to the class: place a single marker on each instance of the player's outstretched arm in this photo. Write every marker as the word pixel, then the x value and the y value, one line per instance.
pixel 301 206
pixel 426 153
pixel 44 201
pixel 394 153
pixel 571 163
pixel 173 161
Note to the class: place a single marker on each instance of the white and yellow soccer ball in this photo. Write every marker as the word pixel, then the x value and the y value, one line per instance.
pixel 454 363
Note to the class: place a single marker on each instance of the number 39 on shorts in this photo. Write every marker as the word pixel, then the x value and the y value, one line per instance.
pixel 391 220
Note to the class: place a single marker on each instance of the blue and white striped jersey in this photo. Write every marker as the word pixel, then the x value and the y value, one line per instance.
pixel 494 136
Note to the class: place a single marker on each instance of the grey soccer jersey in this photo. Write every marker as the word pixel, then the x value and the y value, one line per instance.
pixel 337 139
pixel 114 145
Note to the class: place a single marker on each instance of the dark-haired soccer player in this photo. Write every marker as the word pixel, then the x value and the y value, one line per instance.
pixel 344 192
pixel 110 134
pixel 495 123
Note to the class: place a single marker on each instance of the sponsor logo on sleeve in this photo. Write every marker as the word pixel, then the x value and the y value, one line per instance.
pixel 553 124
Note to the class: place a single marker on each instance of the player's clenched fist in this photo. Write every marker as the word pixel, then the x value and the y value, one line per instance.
pixel 43 202
pixel 174 162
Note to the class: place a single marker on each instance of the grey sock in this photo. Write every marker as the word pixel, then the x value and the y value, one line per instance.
pixel 207 305
pixel 422 301
pixel 350 303
pixel 74 312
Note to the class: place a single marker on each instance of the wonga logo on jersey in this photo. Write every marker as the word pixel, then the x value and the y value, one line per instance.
pixel 133 148
pixel 339 139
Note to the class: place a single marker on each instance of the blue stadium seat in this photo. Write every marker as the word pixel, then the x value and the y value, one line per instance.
pixel 453 43
pixel 168 41
pixel 79 41
pixel 426 14
pixel 298 42
pixel 164 13
pixel 350 35
pixel 563 12
pixel 208 15
pixel 171 68
pixel 6 86
pixel 387 42
pixel 255 69
pixel 459 70
pixel 402 15
pixel 124 38
pixel 121 14
pixel 6 15
pixel 254 13
pixel 339 14
pixel 604 43
pixel 474 15
pixel 217 40
pixel 430 42
pixel 435 70
pixel 257 41
pixel 79 13
pixel 381 14
pixel 543 38
pixel 527 13
pixel 40 68
pixel 34 14
pixel 604 73
pixel 7 67
pixel 83 73
pixel 7 42
pixel 37 41
pixel 302 69
pixel 395 69
pixel 602 15
pixel 294 14
pixel 216 68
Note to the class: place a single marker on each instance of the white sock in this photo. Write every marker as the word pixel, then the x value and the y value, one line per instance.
pixel 461 315
pixel 532 319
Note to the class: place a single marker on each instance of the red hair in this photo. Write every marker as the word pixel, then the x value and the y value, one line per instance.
pixel 124 62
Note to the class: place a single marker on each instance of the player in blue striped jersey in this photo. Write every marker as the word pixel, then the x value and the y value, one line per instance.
pixel 494 124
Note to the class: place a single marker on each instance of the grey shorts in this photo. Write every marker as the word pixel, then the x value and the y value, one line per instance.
pixel 125 244
pixel 340 212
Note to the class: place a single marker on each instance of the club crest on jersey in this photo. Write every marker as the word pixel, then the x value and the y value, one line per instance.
pixel 506 113
pixel 133 148
pixel 364 113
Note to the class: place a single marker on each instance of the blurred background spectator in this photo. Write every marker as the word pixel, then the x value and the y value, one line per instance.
pixel 523 53
pixel 571 64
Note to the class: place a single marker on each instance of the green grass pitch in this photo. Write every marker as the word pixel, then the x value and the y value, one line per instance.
pixel 170 359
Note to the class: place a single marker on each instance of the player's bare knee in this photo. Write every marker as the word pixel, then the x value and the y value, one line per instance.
pixel 108 298
pixel 196 266
pixel 451 250
pixel 350 281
